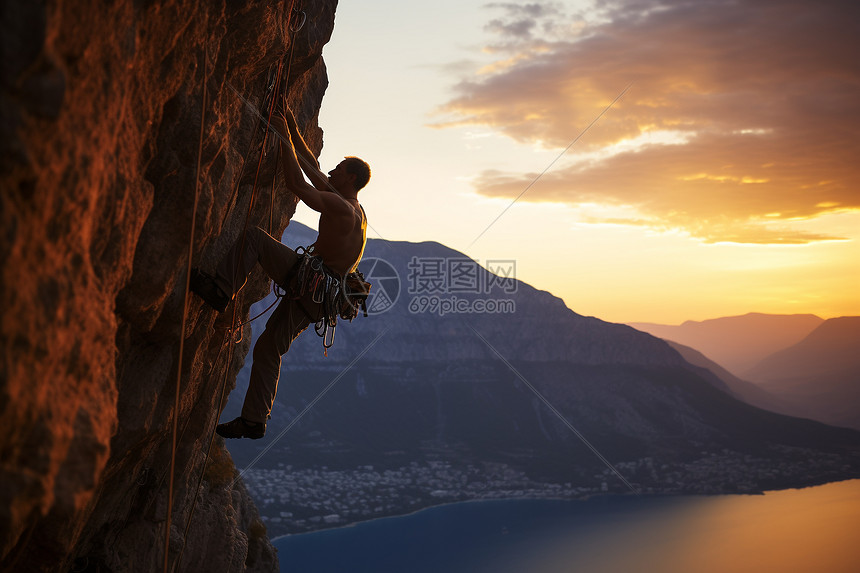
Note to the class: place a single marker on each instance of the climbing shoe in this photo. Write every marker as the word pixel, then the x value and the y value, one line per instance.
pixel 242 428
pixel 204 285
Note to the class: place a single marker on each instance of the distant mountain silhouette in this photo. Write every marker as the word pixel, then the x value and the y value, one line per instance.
pixel 545 328
pixel 820 375
pixel 461 387
pixel 737 343
pixel 746 391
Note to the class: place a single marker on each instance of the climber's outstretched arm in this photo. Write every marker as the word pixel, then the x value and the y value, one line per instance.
pixel 307 160
pixel 327 200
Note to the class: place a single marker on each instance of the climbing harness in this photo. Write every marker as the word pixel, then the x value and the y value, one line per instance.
pixel 335 295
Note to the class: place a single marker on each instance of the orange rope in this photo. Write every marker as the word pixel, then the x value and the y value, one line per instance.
pixel 184 321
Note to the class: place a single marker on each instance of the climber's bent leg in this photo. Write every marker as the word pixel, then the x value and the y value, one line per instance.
pixel 259 247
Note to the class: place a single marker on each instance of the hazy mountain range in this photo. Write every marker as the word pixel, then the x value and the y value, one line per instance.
pixel 737 343
pixel 816 377
pixel 523 389
pixel 746 391
pixel 820 375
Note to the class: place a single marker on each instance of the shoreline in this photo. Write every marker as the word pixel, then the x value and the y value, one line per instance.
pixel 653 495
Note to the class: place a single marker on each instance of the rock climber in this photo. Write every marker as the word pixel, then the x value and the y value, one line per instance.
pixel 339 245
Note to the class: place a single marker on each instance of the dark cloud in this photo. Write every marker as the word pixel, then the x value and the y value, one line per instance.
pixel 765 94
pixel 521 20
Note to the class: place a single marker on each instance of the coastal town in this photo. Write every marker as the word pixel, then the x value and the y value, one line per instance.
pixel 297 500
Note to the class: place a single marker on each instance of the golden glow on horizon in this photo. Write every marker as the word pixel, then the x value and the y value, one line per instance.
pixel 745 180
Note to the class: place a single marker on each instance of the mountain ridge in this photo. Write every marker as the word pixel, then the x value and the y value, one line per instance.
pixel 536 309
pixel 819 377
pixel 831 347
pixel 737 343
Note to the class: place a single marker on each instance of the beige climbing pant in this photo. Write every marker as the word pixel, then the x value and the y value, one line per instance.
pixel 290 318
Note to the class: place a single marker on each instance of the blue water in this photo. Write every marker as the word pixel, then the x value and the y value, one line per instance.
pixel 813 529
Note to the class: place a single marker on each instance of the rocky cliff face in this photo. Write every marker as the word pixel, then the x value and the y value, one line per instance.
pixel 101 112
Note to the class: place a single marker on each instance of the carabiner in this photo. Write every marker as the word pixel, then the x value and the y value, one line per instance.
pixel 328 341
pixel 319 287
pixel 304 14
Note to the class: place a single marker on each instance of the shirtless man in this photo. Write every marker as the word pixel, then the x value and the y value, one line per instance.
pixel 340 244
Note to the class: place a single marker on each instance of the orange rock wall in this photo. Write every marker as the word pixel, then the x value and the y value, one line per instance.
pixel 100 105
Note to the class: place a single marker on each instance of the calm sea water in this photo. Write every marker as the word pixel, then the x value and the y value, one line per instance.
pixel 809 530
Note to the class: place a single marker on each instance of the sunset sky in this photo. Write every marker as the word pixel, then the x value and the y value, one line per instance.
pixel 725 180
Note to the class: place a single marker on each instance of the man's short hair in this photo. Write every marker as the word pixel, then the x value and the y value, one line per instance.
pixel 359 168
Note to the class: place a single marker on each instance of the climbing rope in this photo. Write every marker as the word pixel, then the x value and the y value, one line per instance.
pixel 274 180
pixel 294 28
pixel 205 461
pixel 236 305
pixel 184 319
pixel 272 92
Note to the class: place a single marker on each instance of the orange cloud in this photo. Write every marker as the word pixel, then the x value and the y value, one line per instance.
pixel 765 95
